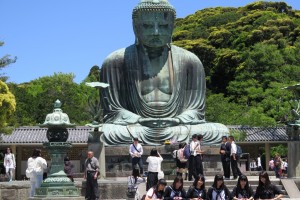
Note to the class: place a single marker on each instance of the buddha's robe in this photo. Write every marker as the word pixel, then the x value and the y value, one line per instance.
pixel 125 101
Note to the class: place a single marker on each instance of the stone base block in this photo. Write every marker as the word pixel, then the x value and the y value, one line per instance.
pixel 56 198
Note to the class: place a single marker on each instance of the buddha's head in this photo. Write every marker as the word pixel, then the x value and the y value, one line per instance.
pixel 153 22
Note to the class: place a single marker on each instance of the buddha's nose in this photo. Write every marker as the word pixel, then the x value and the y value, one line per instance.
pixel 156 29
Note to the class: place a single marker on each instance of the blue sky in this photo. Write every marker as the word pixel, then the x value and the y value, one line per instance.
pixel 71 36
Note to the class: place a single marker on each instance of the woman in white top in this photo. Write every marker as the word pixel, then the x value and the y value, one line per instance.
pixel 133 182
pixel 157 191
pixel 9 163
pixel 154 163
pixel 35 169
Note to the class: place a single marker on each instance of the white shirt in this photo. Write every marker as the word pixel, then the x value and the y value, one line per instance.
pixel 9 161
pixel 253 164
pixel 233 148
pixel 131 182
pixel 136 151
pixel 150 193
pixel 258 162
pixel 154 163
pixel 194 147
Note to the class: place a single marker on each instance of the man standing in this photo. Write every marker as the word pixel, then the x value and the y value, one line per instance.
pixel 195 162
pixel 234 159
pixel 225 157
pixel 136 152
pixel 91 176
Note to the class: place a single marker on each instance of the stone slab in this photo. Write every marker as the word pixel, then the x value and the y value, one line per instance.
pixel 56 198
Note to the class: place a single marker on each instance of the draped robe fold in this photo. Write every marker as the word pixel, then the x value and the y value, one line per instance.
pixel 124 104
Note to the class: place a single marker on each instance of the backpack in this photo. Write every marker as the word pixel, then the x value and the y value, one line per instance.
pixel 187 151
pixel 239 151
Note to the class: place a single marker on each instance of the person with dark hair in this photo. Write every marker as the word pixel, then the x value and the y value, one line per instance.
pixel 157 191
pixel 243 189
pixel 35 170
pixel 197 191
pixel 133 182
pixel 69 168
pixel 176 190
pixel 225 157
pixel 9 163
pixel 218 190
pixel 195 161
pixel 265 189
pixel 277 165
pixel 91 176
pixel 136 152
pixel 201 153
pixel 180 160
pixel 234 159
pixel 154 163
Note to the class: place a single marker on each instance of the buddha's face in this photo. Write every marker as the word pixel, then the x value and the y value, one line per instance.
pixel 154 29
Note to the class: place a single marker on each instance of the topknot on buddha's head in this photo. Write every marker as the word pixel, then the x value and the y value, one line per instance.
pixel 153 6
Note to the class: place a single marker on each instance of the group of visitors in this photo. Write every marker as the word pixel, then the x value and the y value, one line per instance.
pixel 255 164
pixel 279 165
pixel 218 190
pixel 229 157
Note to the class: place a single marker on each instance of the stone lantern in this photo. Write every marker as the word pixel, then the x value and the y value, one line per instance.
pixel 57 183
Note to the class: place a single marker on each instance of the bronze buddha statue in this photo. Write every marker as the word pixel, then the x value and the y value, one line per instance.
pixel 157 90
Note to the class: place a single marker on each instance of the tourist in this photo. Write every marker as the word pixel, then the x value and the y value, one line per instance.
pixel 284 168
pixel 259 167
pixel 271 165
pixel 197 191
pixel 35 170
pixel 243 189
pixel 201 153
pixel 234 159
pixel 180 160
pixel 218 190
pixel 225 150
pixel 154 163
pixel 136 152
pixel 156 89
pixel 9 163
pixel 157 191
pixel 133 182
pixel 253 166
pixel 69 168
pixel 277 165
pixel 265 189
pixel 176 190
pixel 195 162
pixel 91 176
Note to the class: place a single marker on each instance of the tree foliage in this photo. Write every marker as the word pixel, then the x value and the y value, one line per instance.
pixel 249 53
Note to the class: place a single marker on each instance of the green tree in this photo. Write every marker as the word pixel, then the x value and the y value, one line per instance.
pixel 5 61
pixel 35 99
pixel 7 105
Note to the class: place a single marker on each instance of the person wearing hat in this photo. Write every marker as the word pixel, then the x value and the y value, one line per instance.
pixel 136 152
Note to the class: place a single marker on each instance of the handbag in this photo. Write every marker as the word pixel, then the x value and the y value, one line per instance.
pixel 131 193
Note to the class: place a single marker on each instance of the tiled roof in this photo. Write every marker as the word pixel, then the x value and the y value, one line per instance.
pixel 35 134
pixel 260 134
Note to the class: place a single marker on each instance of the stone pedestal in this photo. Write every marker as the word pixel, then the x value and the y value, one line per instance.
pixel 57 184
pixel 293 159
pixel 96 145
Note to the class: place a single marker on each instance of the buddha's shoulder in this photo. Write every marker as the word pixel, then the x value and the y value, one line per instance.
pixel 184 53
pixel 117 54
